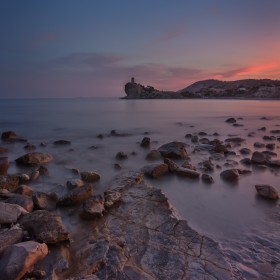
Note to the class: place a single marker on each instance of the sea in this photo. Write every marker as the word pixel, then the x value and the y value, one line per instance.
pixel 228 213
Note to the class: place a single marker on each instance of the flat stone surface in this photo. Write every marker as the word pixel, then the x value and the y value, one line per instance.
pixel 141 238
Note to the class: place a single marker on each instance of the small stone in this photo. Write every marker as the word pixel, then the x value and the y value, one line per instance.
pixel 93 207
pixel 155 170
pixel 270 146
pixel 269 138
pixel 61 142
pixel 30 147
pixel 259 145
pixel 231 120
pixel 194 139
pixel 24 190
pixel 34 176
pixel 117 166
pixel 44 201
pixel 206 178
pixel 230 175
pixel 184 172
pixel 245 151
pixel 245 161
pixel 275 131
pixel 121 156
pixel 172 166
pixel 262 128
pixel 259 158
pixel 146 141
pixel 153 155
pixel 43 171
pixel 267 191
pixel 90 176
pixel 235 139
pixel 74 183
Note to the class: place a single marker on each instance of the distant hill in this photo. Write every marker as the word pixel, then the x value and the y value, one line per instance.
pixel 243 89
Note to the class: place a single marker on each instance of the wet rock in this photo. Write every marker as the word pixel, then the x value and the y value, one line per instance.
pixel 259 145
pixel 43 171
pixel 100 136
pixel 185 172
pixel 173 150
pixel 207 165
pixel 188 135
pixel 143 239
pixel 76 196
pixel 121 156
pixel 188 165
pixel 269 138
pixel 3 150
pixel 118 134
pixel 155 170
pixel 45 226
pixel 62 143
pixel 231 120
pixel 45 201
pixel 74 183
pixel 216 134
pixel 204 141
pixel 206 178
pixel 244 171
pixel 8 136
pixel 9 213
pixel 4 165
pixel 9 237
pixel 270 146
pixel 146 141
pixel 220 148
pixel 237 124
pixel 9 182
pixel 90 176
pixel 23 178
pixel 235 140
pixel 30 147
pixel 93 207
pixel 245 161
pixel 153 155
pixel 262 128
pixel 172 166
pixel 24 190
pixel 202 133
pixel 34 158
pixel 22 200
pixel 34 176
pixel 267 191
pixel 20 259
pixel 269 153
pixel 275 131
pixel 230 175
pixel 259 158
pixel 245 151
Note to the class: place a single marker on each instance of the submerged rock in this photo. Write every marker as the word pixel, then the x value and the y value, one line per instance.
pixel 143 239
pixel 61 142
pixel 173 150
pixel 34 158
pixel 8 135
pixel 20 259
pixel 185 172
pixel 153 155
pixel 45 226
pixel 121 155
pixel 267 191
pixel 146 141
pixel 206 178
pixel 231 120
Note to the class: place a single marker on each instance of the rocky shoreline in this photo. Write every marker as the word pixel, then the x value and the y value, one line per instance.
pixel 130 231
pixel 209 89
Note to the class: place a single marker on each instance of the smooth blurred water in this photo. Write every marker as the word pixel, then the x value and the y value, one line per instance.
pixel 219 210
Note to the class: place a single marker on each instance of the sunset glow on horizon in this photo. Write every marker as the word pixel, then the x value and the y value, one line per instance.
pixel 92 48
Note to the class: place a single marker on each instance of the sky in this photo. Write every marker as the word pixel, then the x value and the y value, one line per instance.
pixel 91 48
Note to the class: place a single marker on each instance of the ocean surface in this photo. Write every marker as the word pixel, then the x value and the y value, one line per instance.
pixel 221 210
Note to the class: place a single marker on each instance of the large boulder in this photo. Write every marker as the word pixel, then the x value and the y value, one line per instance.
pixel 9 213
pixel 34 158
pixel 20 259
pixel 173 150
pixel 267 191
pixel 230 175
pixel 45 226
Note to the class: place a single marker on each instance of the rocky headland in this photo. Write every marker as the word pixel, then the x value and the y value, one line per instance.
pixel 210 89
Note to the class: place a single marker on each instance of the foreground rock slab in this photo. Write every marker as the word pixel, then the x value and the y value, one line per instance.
pixel 141 238
pixel 20 258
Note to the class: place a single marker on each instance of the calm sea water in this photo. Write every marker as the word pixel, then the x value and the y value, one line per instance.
pixel 219 210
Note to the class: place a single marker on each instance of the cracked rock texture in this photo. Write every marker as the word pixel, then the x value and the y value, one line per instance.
pixel 140 238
